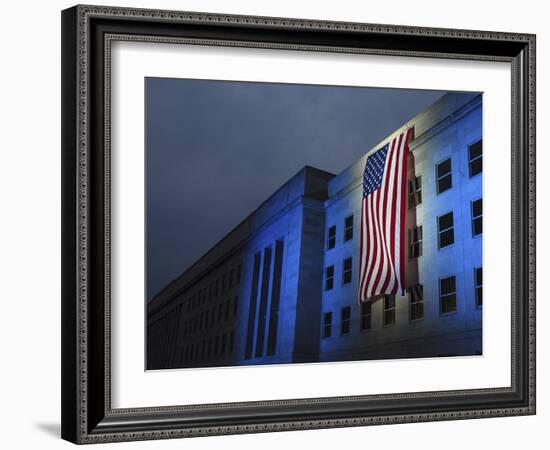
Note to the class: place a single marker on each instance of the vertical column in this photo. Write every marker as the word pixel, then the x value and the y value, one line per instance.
pixel 266 272
pixel 252 306
pixel 275 299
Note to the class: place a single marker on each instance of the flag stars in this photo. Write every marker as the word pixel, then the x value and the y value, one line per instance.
pixel 374 170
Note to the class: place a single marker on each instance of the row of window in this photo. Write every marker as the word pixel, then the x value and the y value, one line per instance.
pixel 215 288
pixel 444 182
pixel 210 317
pixel 210 348
pixel 447 305
pixel 445 232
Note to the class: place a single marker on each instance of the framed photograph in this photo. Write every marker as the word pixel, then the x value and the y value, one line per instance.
pixel 278 224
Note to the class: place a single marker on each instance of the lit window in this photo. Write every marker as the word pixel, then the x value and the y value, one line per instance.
pixel 389 309
pixel 348 228
pixel 416 298
pixel 475 158
pixel 329 281
pixel 477 217
pixel 346 274
pixel 415 191
pixel 444 176
pixel 331 242
pixel 415 242
pixel 346 319
pixel 366 310
pixel 478 274
pixel 447 294
pixel 445 224
pixel 327 324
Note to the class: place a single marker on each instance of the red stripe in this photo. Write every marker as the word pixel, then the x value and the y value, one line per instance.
pixel 403 210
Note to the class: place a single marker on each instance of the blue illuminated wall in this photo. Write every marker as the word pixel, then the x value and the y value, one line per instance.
pixel 259 296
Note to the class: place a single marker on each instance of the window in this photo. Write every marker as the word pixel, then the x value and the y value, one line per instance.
pixel 235 306
pixel 478 277
pixel 224 343
pixel 477 217
pixel 415 242
pixel 348 228
pixel 447 294
pixel 444 176
pixel 329 281
pixel 475 158
pixel 389 310
pixel 239 272
pixel 346 274
pixel 416 298
pixel 415 191
pixel 366 310
pixel 231 274
pixel 327 324
pixel 224 280
pixel 445 224
pixel 331 242
pixel 227 309
pixel 346 318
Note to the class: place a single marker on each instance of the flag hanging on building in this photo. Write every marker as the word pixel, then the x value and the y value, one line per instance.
pixel 383 217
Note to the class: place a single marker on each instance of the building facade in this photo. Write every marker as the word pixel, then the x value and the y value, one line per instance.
pixel 282 286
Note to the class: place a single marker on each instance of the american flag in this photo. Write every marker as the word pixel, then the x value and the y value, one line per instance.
pixel 382 244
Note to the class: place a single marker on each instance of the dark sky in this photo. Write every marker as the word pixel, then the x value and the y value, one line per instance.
pixel 216 150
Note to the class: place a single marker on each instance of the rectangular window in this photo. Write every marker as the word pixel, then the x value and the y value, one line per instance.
pixel 231 274
pixel 415 191
pixel 239 273
pixel 416 299
pixel 346 274
pixel 366 310
pixel 224 281
pixel 389 310
pixel 348 229
pixel 447 294
pixel 475 158
pixel 331 241
pixel 346 319
pixel 224 342
pixel 415 242
pixel 477 217
pixel 445 225
pixel 329 278
pixel 478 274
pixel 444 176
pixel 327 324
pixel 227 309
pixel 235 306
pixel 216 287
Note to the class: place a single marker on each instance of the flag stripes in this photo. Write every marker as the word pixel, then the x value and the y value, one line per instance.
pixel 383 212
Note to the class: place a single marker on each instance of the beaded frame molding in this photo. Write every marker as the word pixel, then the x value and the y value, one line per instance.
pixel 87 35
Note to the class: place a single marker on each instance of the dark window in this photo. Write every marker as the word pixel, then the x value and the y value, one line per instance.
pixel 447 294
pixel 478 274
pixel 415 242
pixel 346 274
pixel 475 158
pixel 444 176
pixel 216 287
pixel 216 342
pixel 231 274
pixel 331 242
pixel 329 279
pixel 445 224
pixel 477 217
pixel 327 324
pixel 366 309
pixel 346 318
pixel 235 306
pixel 415 191
pixel 231 341
pixel 224 342
pixel 227 309
pixel 224 280
pixel 239 271
pixel 348 228
pixel 389 309
pixel 416 298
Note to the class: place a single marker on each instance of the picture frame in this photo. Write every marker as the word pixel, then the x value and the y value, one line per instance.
pixel 87 413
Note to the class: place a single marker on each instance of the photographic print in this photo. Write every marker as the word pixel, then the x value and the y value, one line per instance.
pixel 292 223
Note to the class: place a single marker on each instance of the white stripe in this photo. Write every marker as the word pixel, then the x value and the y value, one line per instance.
pixel 370 288
pixel 398 216
pixel 363 249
